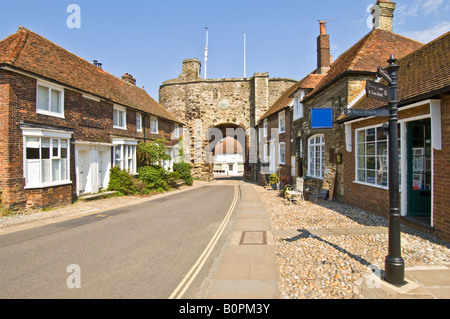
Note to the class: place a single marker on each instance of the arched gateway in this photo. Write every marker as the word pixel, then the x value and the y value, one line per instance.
pixel 206 105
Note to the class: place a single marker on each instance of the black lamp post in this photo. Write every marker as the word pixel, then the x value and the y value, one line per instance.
pixel 394 264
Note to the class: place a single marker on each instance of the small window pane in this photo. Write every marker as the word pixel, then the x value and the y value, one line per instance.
pixel 56 101
pixel 45 148
pixel 42 98
pixel 55 171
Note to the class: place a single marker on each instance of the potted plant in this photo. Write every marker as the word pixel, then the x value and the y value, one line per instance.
pixel 274 180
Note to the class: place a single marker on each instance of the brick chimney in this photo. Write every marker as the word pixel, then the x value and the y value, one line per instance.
pixel 383 15
pixel 323 50
pixel 129 78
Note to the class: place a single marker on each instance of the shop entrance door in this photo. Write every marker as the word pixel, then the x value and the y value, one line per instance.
pixel 419 168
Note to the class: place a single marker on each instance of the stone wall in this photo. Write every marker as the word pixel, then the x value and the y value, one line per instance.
pixel 337 96
pixel 209 103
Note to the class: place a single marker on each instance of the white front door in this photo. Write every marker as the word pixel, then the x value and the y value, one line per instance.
pixel 84 172
pixel 272 157
pixel 104 165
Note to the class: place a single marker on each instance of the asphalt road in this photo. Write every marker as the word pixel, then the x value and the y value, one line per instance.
pixel 140 251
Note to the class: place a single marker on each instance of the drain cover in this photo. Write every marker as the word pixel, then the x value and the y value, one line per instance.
pixel 253 238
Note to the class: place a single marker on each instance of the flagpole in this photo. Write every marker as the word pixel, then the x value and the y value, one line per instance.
pixel 206 50
pixel 245 55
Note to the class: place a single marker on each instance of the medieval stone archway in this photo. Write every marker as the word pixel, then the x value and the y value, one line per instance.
pixel 203 104
pixel 229 150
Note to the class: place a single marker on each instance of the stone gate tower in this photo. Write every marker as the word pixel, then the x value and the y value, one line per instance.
pixel 203 104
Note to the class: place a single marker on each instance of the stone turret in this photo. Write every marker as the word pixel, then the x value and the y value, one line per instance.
pixel 191 70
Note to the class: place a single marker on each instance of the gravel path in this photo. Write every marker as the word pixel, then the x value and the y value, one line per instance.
pixel 325 249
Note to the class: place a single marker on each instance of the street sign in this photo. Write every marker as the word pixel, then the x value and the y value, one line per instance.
pixel 377 91
pixel 383 73
pixel 367 113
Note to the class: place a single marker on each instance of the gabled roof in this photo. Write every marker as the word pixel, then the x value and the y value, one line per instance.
pixel 423 74
pixel 367 54
pixel 308 83
pixel 28 51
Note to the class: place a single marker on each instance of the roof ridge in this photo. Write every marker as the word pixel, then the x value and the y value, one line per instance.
pixel 18 55
pixel 23 37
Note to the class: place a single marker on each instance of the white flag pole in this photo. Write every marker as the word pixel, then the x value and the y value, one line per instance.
pixel 245 54
pixel 206 50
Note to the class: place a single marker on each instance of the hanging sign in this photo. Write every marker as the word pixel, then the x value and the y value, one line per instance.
pixel 377 91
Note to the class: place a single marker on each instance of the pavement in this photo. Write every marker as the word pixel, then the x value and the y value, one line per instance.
pixel 247 268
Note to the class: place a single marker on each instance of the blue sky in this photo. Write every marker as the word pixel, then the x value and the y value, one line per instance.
pixel 149 39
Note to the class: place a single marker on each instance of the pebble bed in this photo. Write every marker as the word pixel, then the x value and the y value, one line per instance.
pixel 333 266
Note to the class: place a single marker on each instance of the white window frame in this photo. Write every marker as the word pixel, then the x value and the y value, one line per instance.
pixel 265 127
pixel 282 122
pixel 50 87
pixel 127 154
pixel 321 146
pixel 401 156
pixel 55 138
pixel 176 131
pixel 298 105
pixel 139 122
pixel 120 110
pixel 154 128
pixel 266 153
pixel 282 159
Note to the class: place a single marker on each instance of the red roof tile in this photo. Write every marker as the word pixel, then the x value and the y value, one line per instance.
pixel 423 74
pixel 309 82
pixel 367 54
pixel 31 52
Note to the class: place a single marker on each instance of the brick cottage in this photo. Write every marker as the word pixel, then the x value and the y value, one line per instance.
pixel 424 143
pixel 65 122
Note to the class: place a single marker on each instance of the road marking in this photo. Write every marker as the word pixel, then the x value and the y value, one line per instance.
pixel 189 278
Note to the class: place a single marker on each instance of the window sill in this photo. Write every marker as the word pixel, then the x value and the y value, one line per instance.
pixel 120 128
pixel 316 177
pixel 47 185
pixel 47 113
pixel 371 185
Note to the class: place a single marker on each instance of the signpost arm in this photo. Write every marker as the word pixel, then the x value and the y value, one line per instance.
pixel 394 264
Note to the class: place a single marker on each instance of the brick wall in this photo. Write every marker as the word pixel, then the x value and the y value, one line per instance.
pixel 441 200
pixel 376 200
pixel 90 121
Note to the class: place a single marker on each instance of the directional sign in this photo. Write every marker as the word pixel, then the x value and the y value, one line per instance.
pixel 377 91
pixel 367 113
pixel 385 75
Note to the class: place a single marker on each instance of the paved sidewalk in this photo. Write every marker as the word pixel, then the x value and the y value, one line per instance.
pixel 247 269
pixel 422 282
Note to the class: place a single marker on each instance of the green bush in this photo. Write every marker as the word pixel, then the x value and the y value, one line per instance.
pixel 273 179
pixel 155 177
pixel 122 181
pixel 184 169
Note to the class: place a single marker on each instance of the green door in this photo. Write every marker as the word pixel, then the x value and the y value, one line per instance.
pixel 419 168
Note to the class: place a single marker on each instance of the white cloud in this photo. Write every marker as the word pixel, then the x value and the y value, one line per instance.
pixel 431 6
pixel 430 34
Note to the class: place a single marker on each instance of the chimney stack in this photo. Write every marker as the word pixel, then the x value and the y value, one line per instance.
pixel 129 78
pixel 323 50
pixel 383 15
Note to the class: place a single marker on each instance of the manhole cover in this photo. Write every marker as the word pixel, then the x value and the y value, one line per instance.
pixel 253 238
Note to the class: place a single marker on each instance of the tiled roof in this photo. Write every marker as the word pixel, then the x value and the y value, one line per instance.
pixel 367 54
pixel 423 74
pixel 31 52
pixel 309 82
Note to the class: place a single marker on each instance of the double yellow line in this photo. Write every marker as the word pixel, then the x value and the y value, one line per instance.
pixel 192 274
